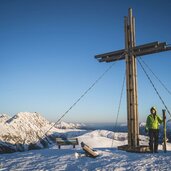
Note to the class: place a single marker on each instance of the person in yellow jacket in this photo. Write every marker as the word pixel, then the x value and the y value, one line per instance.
pixel 152 127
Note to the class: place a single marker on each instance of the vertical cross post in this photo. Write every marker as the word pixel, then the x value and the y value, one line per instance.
pixel 131 80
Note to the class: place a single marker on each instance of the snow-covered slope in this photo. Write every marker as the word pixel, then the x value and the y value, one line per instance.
pixel 4 118
pixel 26 131
pixel 108 138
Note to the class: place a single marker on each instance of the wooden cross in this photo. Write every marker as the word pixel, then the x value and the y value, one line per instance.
pixel 129 54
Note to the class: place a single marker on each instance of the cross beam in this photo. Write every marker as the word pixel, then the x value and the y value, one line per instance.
pixel 129 54
pixel 141 50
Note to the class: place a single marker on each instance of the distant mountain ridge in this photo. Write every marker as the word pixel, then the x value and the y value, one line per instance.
pixel 65 125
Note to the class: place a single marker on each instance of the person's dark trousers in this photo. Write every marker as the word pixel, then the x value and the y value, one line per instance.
pixel 153 142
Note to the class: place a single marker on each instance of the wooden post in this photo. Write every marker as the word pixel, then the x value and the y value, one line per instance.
pixel 132 108
pixel 136 90
pixel 164 131
pixel 127 79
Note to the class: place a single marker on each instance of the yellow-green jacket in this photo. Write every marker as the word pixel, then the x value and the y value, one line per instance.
pixel 153 122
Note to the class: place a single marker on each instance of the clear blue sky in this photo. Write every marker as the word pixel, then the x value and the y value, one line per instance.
pixel 47 50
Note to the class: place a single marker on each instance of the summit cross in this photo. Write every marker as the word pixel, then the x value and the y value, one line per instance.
pixel 129 54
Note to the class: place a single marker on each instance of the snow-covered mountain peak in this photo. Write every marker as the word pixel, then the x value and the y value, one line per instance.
pixel 4 118
pixel 28 118
pixel 26 130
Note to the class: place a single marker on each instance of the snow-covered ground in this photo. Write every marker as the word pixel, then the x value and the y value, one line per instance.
pixel 105 142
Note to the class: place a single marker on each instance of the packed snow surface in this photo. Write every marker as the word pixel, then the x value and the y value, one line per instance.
pixel 105 142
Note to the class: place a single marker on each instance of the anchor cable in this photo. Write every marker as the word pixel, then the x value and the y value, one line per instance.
pixel 85 92
pixel 119 106
pixel 156 76
pixel 154 87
